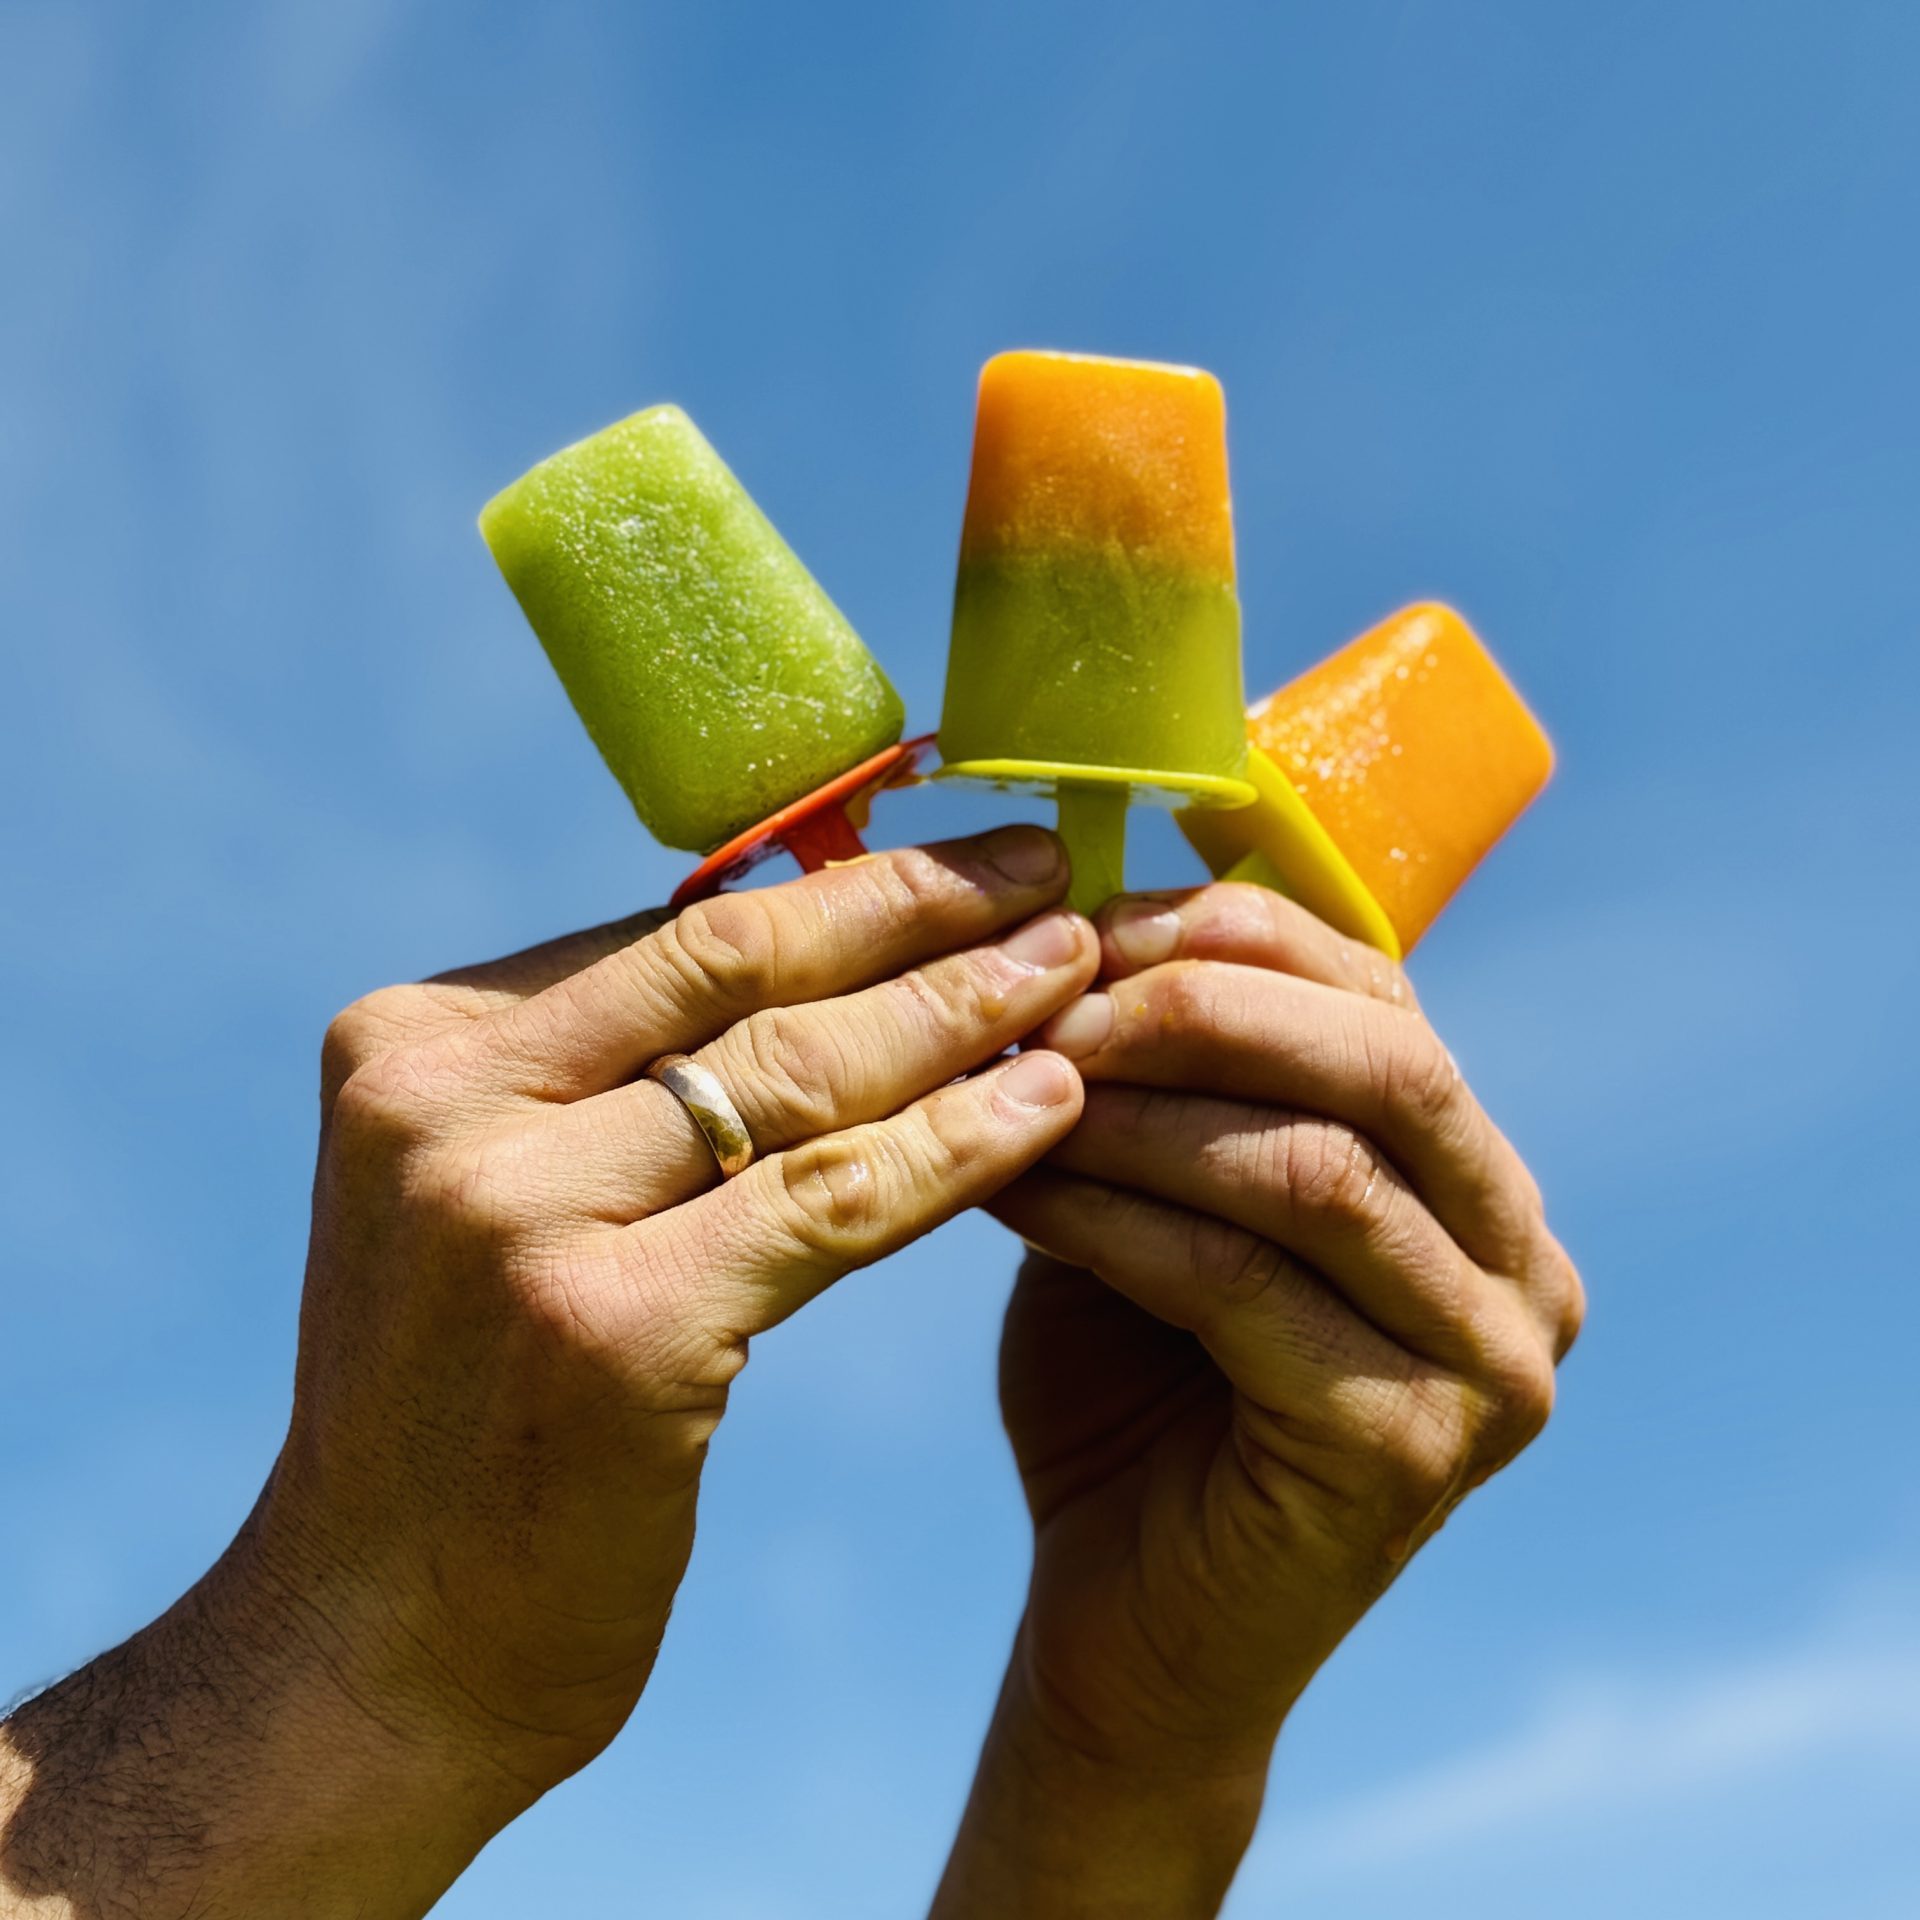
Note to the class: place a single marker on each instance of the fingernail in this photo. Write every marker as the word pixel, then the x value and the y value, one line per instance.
pixel 1145 931
pixel 1037 1080
pixel 1025 855
pixel 1045 944
pixel 1082 1028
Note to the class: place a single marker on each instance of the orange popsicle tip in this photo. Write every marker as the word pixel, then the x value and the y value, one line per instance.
pixel 1074 451
pixel 1413 750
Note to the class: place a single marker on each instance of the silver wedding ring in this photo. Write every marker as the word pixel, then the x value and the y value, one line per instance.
pixel 701 1093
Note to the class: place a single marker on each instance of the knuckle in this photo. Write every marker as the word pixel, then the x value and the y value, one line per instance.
pixel 1249 1267
pixel 386 1100
pixel 1522 1399
pixel 1516 1208
pixel 342 1048
pixel 1552 1285
pixel 361 1032
pixel 918 1009
pixel 796 1064
pixel 1415 1074
pixel 1187 1000
pixel 1293 932
pixel 913 880
pixel 1572 1308
pixel 941 1138
pixel 836 1191
pixel 1329 1173
pixel 1249 917
pixel 729 946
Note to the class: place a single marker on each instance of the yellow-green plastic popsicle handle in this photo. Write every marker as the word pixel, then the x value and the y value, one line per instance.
pixel 1294 855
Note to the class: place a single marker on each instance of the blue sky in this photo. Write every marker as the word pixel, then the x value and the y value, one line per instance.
pixel 1597 322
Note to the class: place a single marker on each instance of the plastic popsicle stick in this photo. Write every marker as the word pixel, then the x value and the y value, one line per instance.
pixel 822 838
pixel 818 829
pixel 1093 823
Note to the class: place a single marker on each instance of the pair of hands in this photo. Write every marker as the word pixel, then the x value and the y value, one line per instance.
pixel 1289 1295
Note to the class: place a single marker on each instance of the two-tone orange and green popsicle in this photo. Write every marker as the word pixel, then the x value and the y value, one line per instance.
pixel 724 690
pixel 1096 630
pixel 1385 774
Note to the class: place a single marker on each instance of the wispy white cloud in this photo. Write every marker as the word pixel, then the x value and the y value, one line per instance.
pixel 1605 1745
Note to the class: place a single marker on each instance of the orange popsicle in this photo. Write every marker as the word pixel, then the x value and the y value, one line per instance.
pixel 1385 773
pixel 1073 453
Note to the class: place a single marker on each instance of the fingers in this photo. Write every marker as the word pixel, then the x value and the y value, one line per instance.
pixel 1249 926
pixel 1279 1333
pixel 1249 1034
pixel 1315 1372
pixel 449 1003
pixel 518 976
pixel 724 958
pixel 796 1073
pixel 741 1258
pixel 1317 1189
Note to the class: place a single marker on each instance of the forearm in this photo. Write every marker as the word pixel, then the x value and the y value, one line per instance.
pixel 1052 1832
pixel 218 1764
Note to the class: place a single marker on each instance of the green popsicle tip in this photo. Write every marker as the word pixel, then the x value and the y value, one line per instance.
pixel 711 670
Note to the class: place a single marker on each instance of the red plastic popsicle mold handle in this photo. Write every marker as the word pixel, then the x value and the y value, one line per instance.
pixel 816 829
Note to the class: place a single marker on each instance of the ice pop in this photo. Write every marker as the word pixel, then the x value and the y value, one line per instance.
pixel 719 682
pixel 1096 632
pixel 1385 775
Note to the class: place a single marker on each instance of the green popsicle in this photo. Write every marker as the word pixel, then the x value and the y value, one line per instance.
pixel 715 676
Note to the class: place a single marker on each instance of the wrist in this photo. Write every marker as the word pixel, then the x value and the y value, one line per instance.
pixel 454 1642
pixel 1059 1826
pixel 220 1763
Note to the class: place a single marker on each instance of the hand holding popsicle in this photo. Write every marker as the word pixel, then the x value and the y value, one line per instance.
pixel 1277 1160
pixel 1289 1293
pixel 528 1295
pixel 1290 1297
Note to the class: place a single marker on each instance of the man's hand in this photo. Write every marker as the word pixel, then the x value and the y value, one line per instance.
pixel 1291 1297
pixel 527 1298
